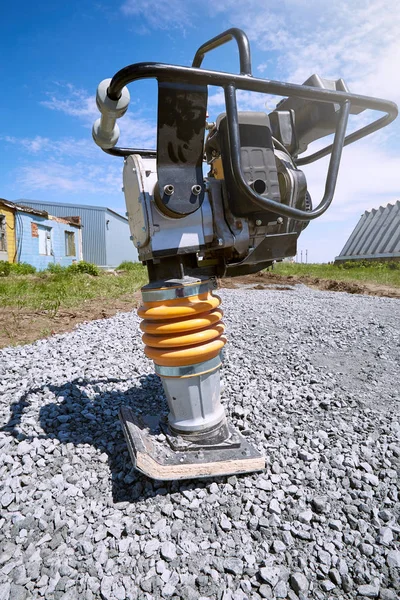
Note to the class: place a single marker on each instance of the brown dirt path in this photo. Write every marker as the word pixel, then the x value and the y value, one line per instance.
pixel 269 279
pixel 24 326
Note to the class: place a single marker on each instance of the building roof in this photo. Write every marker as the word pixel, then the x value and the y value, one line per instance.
pixel 70 205
pixel 74 221
pixel 27 209
pixel 376 235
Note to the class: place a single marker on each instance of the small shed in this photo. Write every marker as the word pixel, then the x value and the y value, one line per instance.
pixel 375 237
pixel 105 233
pixel 35 237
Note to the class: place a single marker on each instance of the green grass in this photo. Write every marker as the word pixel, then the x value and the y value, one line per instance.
pixel 127 265
pixel 52 291
pixel 378 273
pixel 65 289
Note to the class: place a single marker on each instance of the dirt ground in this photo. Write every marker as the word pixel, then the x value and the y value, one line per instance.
pixel 26 326
pixel 269 279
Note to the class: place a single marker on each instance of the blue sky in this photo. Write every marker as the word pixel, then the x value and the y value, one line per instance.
pixel 56 53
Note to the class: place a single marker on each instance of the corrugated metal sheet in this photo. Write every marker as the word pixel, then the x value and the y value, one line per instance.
pixel 119 246
pixel 93 227
pixel 376 235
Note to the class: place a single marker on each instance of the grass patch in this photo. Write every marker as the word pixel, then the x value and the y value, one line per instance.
pixel 128 265
pixel 7 268
pixel 51 290
pixel 375 273
pixel 34 306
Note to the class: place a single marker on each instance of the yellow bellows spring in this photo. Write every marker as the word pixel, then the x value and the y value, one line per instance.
pixel 182 331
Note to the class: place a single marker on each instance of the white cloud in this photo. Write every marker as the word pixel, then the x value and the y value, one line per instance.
pixel 139 133
pixel 245 100
pixel 358 40
pixel 160 14
pixel 384 79
pixel 73 101
pixel 66 147
pixel 262 67
pixel 77 178
pixel 34 145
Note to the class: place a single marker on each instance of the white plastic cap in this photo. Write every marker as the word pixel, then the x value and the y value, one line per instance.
pixel 105 131
pixel 103 137
pixel 116 108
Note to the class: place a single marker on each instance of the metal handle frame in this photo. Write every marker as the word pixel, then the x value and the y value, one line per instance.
pixel 230 83
pixel 243 45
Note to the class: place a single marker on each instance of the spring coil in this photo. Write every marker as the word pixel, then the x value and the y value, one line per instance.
pixel 182 331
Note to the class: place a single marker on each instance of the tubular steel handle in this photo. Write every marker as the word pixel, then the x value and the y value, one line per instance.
pixel 178 74
pixel 123 152
pixel 243 44
pixel 353 137
pixel 230 83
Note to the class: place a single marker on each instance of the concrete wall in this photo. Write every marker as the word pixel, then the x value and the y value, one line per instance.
pixel 10 231
pixel 27 233
pixel 119 246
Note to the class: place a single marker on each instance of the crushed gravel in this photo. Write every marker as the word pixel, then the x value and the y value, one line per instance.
pixel 312 378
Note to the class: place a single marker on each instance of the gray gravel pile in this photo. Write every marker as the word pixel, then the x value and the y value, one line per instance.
pixel 312 378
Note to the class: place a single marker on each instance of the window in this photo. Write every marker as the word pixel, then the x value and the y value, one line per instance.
pixel 44 240
pixel 70 243
pixel 3 238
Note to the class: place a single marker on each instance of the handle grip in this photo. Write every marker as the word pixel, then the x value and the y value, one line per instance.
pixel 105 130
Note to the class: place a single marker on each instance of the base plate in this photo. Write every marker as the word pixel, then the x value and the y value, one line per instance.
pixel 152 454
pixel 181 444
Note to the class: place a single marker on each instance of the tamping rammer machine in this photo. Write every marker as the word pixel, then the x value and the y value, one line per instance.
pixel 189 229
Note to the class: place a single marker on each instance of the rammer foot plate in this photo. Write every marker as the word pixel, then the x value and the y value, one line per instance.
pixel 152 455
